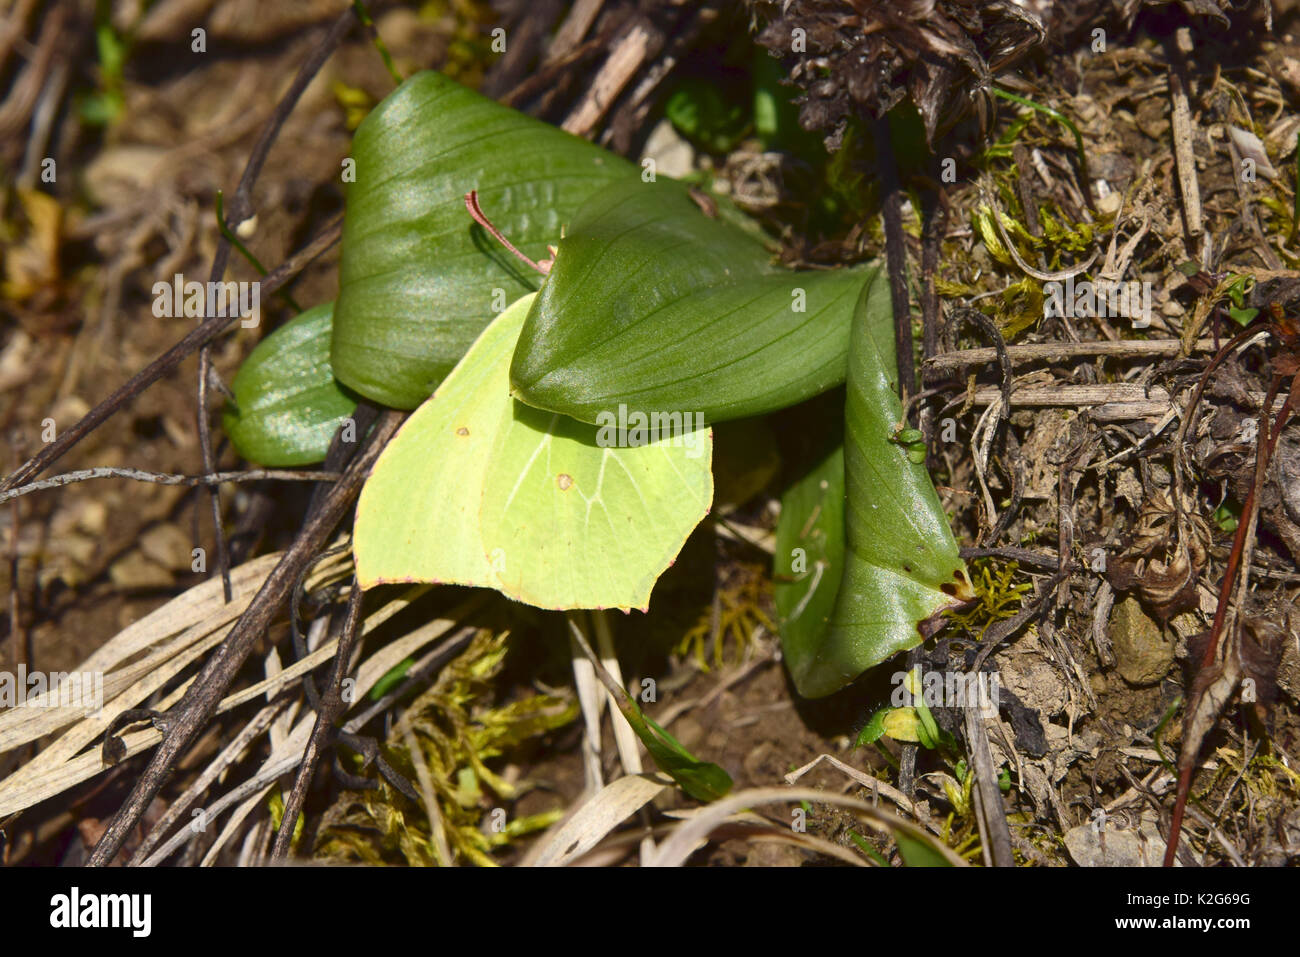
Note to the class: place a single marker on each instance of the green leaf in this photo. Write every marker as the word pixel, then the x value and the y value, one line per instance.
pixel 875 728
pixel 904 724
pixel 478 489
pixel 391 679
pixel 809 554
pixel 1227 516
pixel 702 780
pixel 1237 289
pixel 900 565
pixel 653 305
pixel 112 52
pixel 901 724
pixel 101 109
pixel 287 403
pixel 928 729
pixel 776 116
pixel 876 857
pixel 700 111
pixel 918 850
pixel 419 280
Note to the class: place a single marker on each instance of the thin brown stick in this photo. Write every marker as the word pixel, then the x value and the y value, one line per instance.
pixel 1065 522
pixel 995 832
pixel 16 110
pixel 193 711
pixel 628 123
pixel 13 27
pixel 907 753
pixel 575 26
pixel 1193 408
pixel 896 261
pixel 207 331
pixel 331 707
pixel 1062 351
pixel 1133 399
pixel 1261 248
pixel 167 478
pixel 1004 416
pixel 228 756
pixel 210 465
pixel 1181 129
pixel 19 653
pixel 935 212
pixel 638 42
pixel 241 207
pixel 1022 556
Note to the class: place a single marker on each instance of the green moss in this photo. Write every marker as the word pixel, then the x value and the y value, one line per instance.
pixel 998 596
pixel 456 733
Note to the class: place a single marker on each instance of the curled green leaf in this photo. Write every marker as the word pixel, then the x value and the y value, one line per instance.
pixel 900 566
pixel 656 307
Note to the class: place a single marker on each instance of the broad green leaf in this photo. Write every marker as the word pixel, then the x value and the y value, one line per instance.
pixel 900 566
pixel 478 489
pixel 287 403
pixel 419 280
pixel 654 306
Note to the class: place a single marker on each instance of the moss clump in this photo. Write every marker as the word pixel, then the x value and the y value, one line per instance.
pixel 453 731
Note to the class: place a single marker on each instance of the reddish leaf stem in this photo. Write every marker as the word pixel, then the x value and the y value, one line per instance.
pixel 471 204
pixel 1266 443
